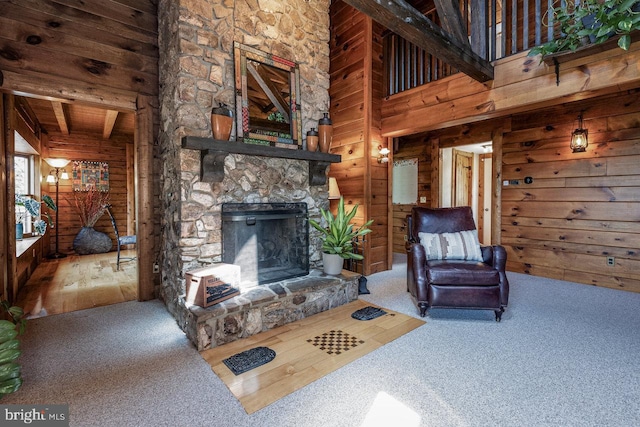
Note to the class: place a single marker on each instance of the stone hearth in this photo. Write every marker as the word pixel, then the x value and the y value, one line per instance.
pixel 268 306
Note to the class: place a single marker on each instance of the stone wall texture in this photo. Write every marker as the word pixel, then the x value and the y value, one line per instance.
pixel 196 72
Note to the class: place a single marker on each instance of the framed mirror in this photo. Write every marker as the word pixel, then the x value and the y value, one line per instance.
pixel 267 99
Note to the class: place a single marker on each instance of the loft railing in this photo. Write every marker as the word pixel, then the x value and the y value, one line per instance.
pixel 497 28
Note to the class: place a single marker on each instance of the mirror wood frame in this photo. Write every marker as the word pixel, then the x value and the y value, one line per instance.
pixel 242 53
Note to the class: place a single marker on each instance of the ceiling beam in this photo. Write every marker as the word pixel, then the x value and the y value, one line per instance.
pixel 413 26
pixel 451 19
pixel 109 122
pixel 61 116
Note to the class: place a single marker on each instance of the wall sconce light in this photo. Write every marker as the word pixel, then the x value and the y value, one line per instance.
pixel 384 153
pixel 334 191
pixel 579 138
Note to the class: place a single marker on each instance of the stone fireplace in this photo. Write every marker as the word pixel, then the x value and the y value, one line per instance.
pixel 269 241
pixel 196 73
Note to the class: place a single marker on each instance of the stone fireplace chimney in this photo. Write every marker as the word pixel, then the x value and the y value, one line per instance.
pixel 197 72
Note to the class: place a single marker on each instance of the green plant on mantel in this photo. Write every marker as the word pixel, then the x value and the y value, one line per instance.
pixel 590 22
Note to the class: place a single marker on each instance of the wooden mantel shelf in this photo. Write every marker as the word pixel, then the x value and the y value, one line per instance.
pixel 213 153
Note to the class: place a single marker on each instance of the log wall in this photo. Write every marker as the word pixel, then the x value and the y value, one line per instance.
pixel 356 94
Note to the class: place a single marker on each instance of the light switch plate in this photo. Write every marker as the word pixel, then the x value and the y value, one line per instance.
pixel 423 199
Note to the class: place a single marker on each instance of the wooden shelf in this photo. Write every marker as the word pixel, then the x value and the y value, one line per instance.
pixel 213 153
pixel 555 59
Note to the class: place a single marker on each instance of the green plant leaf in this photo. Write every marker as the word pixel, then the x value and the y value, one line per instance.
pixel 7 333
pixel 13 372
pixel 49 202
pixel 624 42
pixel 7 369
pixel 9 355
pixel 10 386
pixel 12 343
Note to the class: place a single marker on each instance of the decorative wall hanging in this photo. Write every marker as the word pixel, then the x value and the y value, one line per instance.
pixel 90 174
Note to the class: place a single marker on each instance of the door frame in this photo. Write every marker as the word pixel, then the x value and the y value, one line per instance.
pixel 143 108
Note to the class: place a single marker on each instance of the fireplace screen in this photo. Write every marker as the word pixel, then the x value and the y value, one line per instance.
pixel 269 241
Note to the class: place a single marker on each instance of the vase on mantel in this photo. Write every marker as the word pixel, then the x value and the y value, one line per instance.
pixel 221 122
pixel 312 140
pixel 325 133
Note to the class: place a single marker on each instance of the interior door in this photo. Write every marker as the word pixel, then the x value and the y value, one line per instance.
pixel 462 177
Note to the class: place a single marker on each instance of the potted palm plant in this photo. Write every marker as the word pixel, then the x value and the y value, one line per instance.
pixel 338 237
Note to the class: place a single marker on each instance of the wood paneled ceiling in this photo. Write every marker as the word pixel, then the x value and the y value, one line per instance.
pixel 57 117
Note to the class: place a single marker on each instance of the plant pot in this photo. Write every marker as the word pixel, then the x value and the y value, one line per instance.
pixel 332 264
pixel 89 241
pixel 19 231
pixel 221 122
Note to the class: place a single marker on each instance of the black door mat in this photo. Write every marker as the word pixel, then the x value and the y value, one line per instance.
pixel 249 359
pixel 368 313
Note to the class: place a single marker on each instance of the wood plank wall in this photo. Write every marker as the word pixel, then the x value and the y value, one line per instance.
pixel 94 149
pixel 581 207
pixel 356 95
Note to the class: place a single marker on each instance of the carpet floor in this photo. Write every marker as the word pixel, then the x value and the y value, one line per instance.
pixel 565 354
pixel 306 350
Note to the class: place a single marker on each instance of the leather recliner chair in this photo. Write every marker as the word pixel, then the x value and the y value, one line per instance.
pixel 440 283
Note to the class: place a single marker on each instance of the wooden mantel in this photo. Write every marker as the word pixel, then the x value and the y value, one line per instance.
pixel 213 153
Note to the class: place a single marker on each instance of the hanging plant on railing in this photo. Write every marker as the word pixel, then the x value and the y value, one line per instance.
pixel 590 22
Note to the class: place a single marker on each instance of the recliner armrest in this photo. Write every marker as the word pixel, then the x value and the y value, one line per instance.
pixel 499 257
pixel 417 270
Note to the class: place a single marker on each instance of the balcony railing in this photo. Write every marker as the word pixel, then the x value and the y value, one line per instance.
pixel 497 28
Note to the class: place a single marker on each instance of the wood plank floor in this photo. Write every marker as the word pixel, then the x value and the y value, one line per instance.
pixel 78 282
pixel 299 362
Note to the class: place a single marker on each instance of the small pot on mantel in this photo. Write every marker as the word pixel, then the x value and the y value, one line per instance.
pixel 312 140
pixel 221 122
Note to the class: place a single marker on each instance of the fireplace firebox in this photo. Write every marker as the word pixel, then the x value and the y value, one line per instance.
pixel 269 241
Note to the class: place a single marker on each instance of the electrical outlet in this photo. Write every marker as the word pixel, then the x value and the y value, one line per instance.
pixel 156 267
pixel 611 261
pixel 423 199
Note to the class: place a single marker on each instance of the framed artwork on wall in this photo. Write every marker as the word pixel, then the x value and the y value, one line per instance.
pixel 90 174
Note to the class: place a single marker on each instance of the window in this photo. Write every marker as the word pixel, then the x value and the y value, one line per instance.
pixel 25 182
